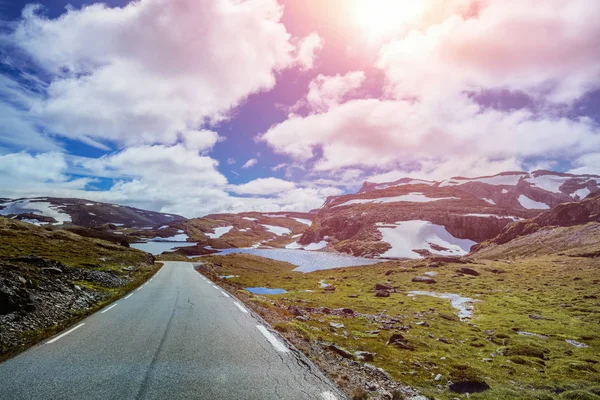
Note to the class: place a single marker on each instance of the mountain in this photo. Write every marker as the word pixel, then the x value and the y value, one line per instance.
pixel 572 228
pixel 412 218
pixel 251 229
pixel 80 212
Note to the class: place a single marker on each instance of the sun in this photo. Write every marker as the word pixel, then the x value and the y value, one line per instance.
pixel 379 17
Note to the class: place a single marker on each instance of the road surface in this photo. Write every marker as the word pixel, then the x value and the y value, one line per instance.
pixel 177 337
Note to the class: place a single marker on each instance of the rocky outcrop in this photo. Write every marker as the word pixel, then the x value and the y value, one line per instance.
pixel 564 215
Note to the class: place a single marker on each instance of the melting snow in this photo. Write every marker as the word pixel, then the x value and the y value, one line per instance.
pixel 464 305
pixel 303 221
pixel 278 230
pixel 249 219
pixel 220 231
pixel 294 246
pixel 404 237
pixel 316 246
pixel 411 197
pixel 36 207
pixel 529 204
pixel 550 183
pixel 490 201
pixel 504 180
pixel 582 193
pixel 493 216
pixel 410 182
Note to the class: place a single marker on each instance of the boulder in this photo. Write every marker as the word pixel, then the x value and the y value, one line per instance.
pixel 382 293
pixel 336 325
pixel 424 279
pixel 329 288
pixel 340 351
pixel 295 311
pixel 399 341
pixel 467 271
pixel 383 286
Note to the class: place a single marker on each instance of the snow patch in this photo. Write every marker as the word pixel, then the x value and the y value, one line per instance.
pixel 316 246
pixel 582 193
pixel 220 231
pixel 464 305
pixel 549 183
pixel 294 246
pixel 406 236
pixel 36 207
pixel 493 216
pixel 411 197
pixel 278 230
pixel 303 221
pixel 249 219
pixel 529 204
pixel 489 201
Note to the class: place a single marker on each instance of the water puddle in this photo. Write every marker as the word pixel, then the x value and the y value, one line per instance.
pixel 264 290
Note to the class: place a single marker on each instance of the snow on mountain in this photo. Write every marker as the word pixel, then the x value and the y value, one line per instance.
pixel 61 211
pixel 411 198
pixel 36 207
pixel 408 236
pixel 218 232
pixel 278 230
pixel 529 204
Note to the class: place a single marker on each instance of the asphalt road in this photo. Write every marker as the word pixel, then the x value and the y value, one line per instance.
pixel 176 337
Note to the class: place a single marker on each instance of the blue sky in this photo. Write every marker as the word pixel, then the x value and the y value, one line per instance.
pixel 160 104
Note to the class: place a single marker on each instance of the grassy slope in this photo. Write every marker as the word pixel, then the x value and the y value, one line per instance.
pixel 19 239
pixel 561 289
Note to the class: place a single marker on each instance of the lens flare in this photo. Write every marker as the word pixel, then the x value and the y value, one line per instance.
pixel 379 17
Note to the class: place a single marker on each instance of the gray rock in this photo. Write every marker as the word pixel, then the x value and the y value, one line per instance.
pixel 424 279
pixel 364 356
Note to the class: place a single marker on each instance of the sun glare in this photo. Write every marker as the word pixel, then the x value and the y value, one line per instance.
pixel 379 17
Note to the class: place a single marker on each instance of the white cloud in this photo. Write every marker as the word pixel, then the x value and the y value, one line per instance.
pixel 154 69
pixel 587 164
pixel 307 50
pixel 202 140
pixel 384 133
pixel 325 92
pixel 264 186
pixel 549 50
pixel 250 163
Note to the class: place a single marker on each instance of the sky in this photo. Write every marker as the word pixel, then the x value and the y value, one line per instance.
pixel 203 106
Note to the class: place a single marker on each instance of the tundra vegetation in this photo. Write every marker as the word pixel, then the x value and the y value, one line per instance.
pixel 534 331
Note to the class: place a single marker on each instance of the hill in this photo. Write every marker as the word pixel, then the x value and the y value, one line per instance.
pixel 67 211
pixel 51 278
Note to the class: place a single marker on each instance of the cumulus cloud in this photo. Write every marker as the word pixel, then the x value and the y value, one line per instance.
pixel 430 123
pixel 264 186
pixel 250 163
pixel 308 49
pixel 157 68
pixel 325 92
pixel 550 50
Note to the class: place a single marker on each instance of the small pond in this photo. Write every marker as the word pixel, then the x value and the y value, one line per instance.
pixel 264 290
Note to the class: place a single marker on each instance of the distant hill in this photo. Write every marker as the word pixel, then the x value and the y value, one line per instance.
pixel 85 213
pixel 413 218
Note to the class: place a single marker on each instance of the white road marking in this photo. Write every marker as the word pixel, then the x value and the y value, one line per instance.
pixel 225 294
pixel 129 296
pixel 65 334
pixel 272 339
pixel 216 287
pixel 241 307
pixel 328 396
pixel 103 311
pixel 140 288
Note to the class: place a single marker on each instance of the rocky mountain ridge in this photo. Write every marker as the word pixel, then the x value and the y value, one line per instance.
pixel 381 218
pixel 81 212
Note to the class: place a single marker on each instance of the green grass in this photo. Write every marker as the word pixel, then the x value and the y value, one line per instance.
pixel 559 289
